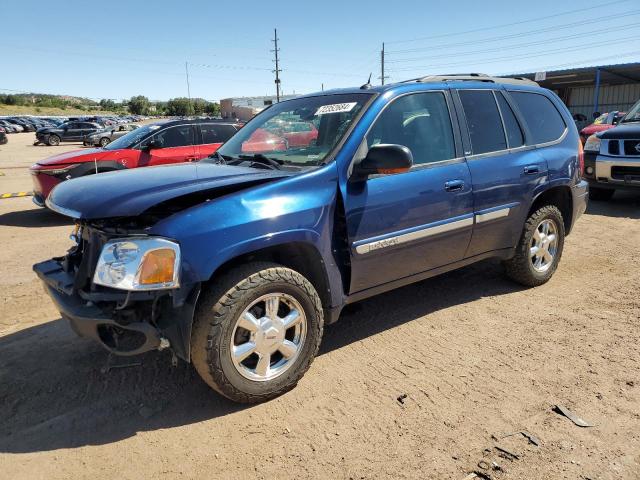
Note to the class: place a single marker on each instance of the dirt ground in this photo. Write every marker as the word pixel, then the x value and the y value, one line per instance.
pixel 471 356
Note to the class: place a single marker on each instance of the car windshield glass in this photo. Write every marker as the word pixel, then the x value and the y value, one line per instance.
pixel 133 137
pixel 633 115
pixel 601 119
pixel 299 132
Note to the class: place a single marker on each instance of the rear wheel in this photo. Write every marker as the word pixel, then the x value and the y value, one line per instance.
pixel 256 332
pixel 53 140
pixel 540 248
pixel 104 141
pixel 600 194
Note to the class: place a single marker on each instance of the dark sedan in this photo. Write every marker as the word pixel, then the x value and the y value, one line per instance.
pixel 73 131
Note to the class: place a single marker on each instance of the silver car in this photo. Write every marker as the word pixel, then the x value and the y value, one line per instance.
pixel 104 137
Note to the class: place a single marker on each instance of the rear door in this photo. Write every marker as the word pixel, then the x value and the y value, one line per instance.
pixel 173 144
pixel 212 136
pixel 404 224
pixel 505 171
pixel 73 132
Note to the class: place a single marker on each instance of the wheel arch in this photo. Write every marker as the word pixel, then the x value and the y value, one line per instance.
pixel 560 197
pixel 303 257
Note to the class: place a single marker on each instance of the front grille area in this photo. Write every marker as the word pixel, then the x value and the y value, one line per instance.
pixel 625 173
pixel 632 147
pixel 614 147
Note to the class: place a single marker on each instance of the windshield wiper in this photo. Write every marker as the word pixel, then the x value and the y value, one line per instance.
pixel 259 158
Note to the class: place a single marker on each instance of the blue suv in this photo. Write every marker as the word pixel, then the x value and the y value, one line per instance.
pixel 236 263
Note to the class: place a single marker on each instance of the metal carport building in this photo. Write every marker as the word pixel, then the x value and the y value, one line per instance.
pixel 587 90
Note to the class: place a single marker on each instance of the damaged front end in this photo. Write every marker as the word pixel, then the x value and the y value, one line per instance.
pixel 137 317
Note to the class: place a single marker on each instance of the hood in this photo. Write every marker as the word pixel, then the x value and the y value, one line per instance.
pixel 129 193
pixel 623 131
pixel 75 156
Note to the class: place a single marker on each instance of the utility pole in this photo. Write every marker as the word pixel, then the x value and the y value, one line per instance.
pixel 186 69
pixel 277 70
pixel 382 76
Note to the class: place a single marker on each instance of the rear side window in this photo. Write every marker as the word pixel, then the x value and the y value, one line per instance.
pixel 515 137
pixel 542 117
pixel 212 133
pixel 483 121
pixel 420 122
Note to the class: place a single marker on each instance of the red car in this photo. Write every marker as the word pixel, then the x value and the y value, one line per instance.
pixel 162 143
pixel 603 122
pixel 279 138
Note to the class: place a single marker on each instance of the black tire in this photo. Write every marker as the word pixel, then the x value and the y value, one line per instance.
pixel 104 141
pixel 53 140
pixel 216 315
pixel 600 194
pixel 520 268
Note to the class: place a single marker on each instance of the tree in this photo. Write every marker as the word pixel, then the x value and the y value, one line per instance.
pixel 213 109
pixel 107 104
pixel 181 107
pixel 139 105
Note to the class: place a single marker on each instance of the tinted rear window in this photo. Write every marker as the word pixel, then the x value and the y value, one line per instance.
pixel 213 133
pixel 511 125
pixel 483 121
pixel 542 117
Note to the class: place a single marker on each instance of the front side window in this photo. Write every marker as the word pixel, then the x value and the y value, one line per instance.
pixel 179 136
pixel 483 121
pixel 542 117
pixel 266 134
pixel 420 122
pixel 134 137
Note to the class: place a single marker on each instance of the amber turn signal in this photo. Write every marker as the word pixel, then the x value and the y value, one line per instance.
pixel 157 267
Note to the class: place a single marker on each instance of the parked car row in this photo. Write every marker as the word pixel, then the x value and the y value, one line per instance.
pixel 165 142
pixel 601 123
pixel 612 157
pixel 27 124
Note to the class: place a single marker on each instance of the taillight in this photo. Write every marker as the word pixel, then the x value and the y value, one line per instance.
pixel 581 158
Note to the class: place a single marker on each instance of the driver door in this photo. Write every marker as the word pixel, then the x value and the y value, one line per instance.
pixel 404 224
pixel 73 132
pixel 175 144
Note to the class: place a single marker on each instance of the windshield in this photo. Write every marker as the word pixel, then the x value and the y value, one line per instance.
pixel 299 132
pixel 601 119
pixel 130 139
pixel 633 115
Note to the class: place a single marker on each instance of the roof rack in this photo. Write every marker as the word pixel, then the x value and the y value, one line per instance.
pixel 473 77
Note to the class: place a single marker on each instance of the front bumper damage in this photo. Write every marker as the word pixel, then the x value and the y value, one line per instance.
pixel 125 323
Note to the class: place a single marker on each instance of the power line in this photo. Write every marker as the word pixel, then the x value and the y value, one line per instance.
pixel 511 24
pixel 615 29
pixel 520 34
pixel 519 57
pixel 575 64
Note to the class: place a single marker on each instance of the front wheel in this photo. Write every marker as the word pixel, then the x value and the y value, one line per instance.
pixel 539 249
pixel 53 140
pixel 256 332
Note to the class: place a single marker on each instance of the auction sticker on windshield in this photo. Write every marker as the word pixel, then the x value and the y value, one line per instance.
pixel 336 108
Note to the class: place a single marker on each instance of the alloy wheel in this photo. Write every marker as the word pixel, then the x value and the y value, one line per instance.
pixel 544 245
pixel 268 337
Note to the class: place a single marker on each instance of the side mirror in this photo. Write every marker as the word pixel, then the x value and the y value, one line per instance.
pixel 383 159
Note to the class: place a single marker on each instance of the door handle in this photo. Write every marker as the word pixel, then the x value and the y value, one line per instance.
pixel 454 185
pixel 531 169
pixel 191 159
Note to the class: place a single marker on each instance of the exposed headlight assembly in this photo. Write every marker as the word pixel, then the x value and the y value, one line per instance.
pixel 139 263
pixel 592 144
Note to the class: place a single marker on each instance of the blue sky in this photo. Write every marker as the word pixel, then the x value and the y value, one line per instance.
pixel 117 49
